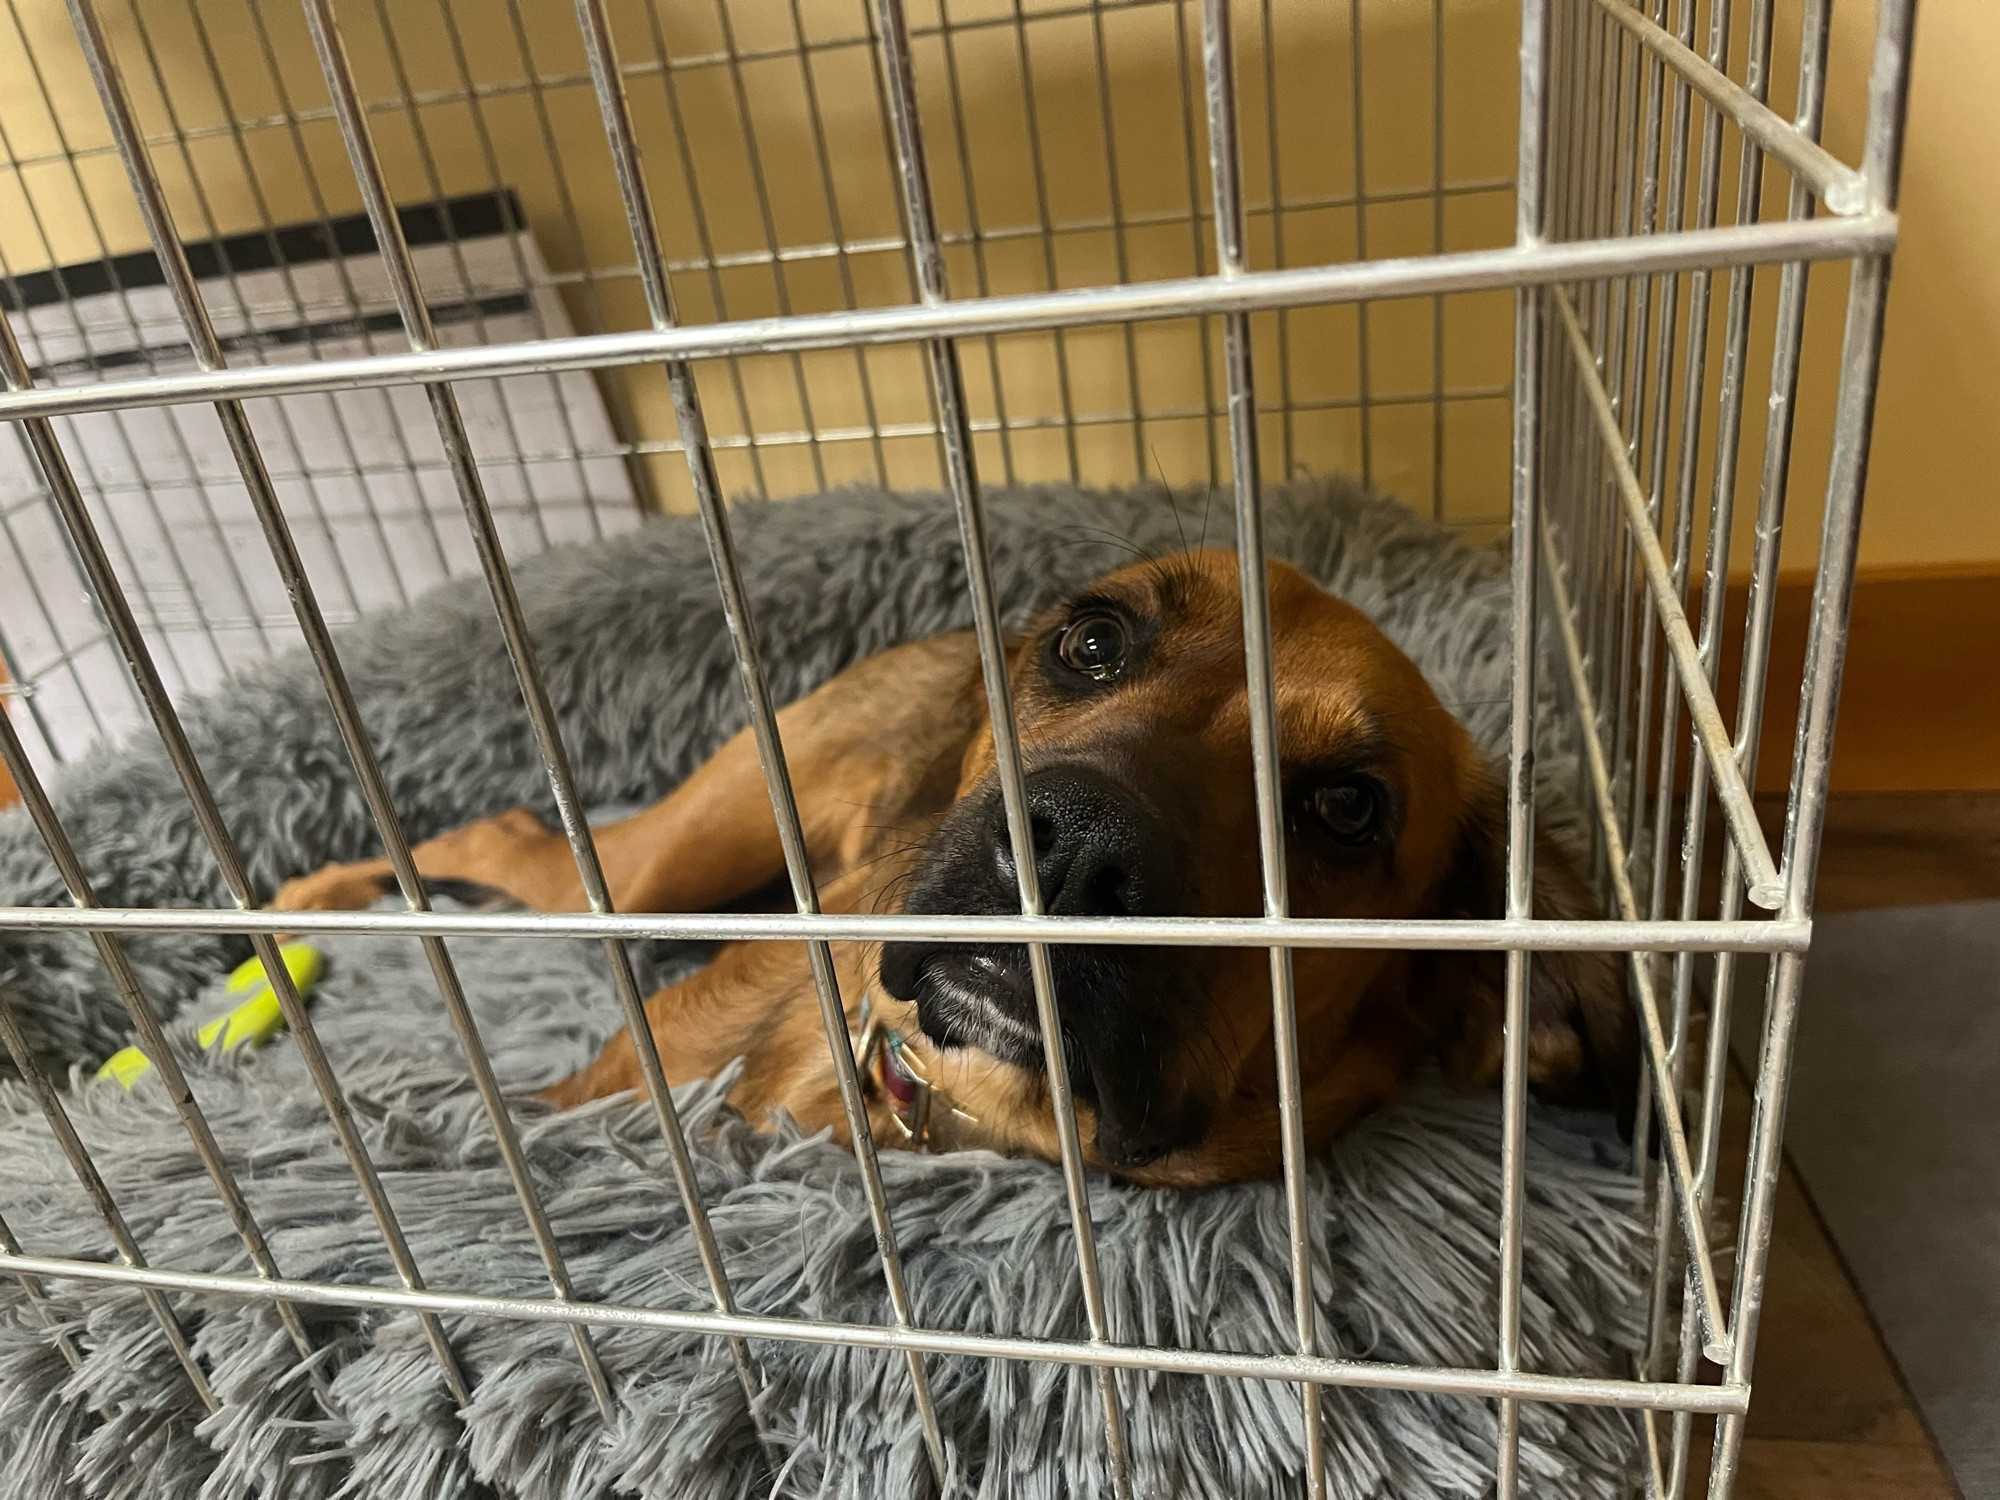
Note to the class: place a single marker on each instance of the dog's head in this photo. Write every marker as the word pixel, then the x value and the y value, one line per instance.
pixel 1135 727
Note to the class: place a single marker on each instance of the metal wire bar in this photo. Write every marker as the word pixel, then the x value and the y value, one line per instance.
pixel 1836 185
pixel 521 651
pixel 1760 873
pixel 977 241
pixel 25 682
pixel 592 277
pixel 948 388
pixel 489 155
pixel 1359 1374
pixel 1524 637
pixel 1354 78
pixel 322 218
pixel 975 233
pixel 401 268
pixel 78 1156
pixel 31 1289
pixel 153 1037
pixel 1871 233
pixel 1575 97
pixel 753 154
pixel 124 629
pixel 1616 619
pixel 1655 1481
pixel 1694 392
pixel 1693 396
pixel 839 245
pixel 822 435
pixel 1715 1343
pixel 1225 169
pixel 1720 532
pixel 311 476
pixel 1557 169
pixel 1590 524
pixel 1760 612
pixel 617 397
pixel 1583 92
pixel 1608 340
pixel 698 221
pixel 1571 219
pixel 614 111
pixel 181 448
pixel 1120 249
pixel 552 153
pixel 1655 437
pixel 1729 414
pixel 211 224
pixel 426 159
pixel 1437 248
pixel 533 81
pixel 1455 934
pixel 1274 164
pixel 1588 197
pixel 1635 389
pixel 1781 409
pixel 1695 368
pixel 1642 312
pixel 208 355
pixel 843 265
pixel 1197 242
pixel 1045 219
pixel 87 344
pixel 1840 534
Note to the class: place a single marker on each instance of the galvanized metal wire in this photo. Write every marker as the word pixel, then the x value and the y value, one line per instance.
pixel 1618 425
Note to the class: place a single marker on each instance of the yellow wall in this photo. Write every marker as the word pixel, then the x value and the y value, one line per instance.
pixel 1159 155
pixel 1931 499
pixel 1940 409
pixel 1934 483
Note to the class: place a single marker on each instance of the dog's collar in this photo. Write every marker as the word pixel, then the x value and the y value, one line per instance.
pixel 927 1119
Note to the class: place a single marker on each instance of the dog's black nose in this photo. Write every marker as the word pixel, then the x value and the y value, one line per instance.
pixel 1098 851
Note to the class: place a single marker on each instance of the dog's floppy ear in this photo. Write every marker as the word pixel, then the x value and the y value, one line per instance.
pixel 1583 1037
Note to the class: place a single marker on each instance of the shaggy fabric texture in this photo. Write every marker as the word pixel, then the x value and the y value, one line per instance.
pixel 1405 1206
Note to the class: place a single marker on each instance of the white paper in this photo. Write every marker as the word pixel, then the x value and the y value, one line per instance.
pixel 176 519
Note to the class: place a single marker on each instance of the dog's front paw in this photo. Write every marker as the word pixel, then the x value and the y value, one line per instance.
pixel 349 887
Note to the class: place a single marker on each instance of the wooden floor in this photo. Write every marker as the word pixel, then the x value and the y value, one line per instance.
pixel 1830 1417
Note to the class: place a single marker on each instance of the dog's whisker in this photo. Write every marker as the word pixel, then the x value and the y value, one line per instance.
pixel 1098 536
pixel 1173 503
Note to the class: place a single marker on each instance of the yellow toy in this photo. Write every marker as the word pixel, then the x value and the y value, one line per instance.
pixel 254 1018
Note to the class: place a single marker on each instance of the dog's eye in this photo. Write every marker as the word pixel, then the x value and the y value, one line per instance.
pixel 1350 809
pixel 1093 645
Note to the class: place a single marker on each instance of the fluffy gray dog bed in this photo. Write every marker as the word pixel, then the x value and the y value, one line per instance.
pixel 1405 1206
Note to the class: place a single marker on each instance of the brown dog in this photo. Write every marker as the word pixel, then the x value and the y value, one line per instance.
pixel 1136 737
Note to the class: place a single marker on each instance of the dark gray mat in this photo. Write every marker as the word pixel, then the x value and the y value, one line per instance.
pixel 1405 1209
pixel 1895 1130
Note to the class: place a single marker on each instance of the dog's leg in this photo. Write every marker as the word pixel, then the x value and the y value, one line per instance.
pixel 512 853
pixel 700 1021
pixel 859 748
pixel 737 1005
pixel 754 1001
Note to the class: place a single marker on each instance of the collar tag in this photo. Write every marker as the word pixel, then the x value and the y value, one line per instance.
pixel 880 1059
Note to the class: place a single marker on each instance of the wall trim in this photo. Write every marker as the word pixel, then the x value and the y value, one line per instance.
pixel 1920 697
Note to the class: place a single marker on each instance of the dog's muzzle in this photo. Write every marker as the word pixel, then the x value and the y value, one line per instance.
pixel 1099 851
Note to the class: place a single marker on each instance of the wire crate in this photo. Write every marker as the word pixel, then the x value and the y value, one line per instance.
pixel 309 307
